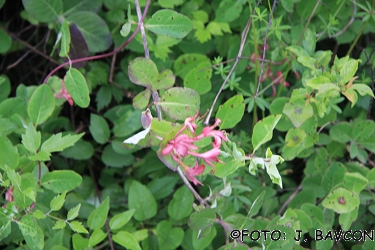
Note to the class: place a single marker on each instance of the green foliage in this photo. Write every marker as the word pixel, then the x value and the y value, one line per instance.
pixel 194 106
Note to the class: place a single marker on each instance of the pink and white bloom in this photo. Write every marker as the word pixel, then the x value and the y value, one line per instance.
pixel 183 145
pixel 64 94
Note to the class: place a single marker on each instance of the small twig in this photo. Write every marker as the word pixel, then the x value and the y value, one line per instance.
pixel 264 48
pixel 346 26
pixel 322 127
pixel 308 21
pixel 33 49
pixel 243 40
pixel 110 79
pixel 143 33
pixel 90 58
pixel 190 187
pixel 286 203
pixel 372 83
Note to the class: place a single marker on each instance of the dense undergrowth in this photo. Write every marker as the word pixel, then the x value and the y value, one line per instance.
pixel 224 124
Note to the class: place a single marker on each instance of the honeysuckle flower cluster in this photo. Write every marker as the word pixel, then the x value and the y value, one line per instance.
pixel 183 145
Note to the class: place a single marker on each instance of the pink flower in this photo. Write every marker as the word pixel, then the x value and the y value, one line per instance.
pixel 194 171
pixel 208 157
pixel 64 94
pixel 180 146
pixel 183 145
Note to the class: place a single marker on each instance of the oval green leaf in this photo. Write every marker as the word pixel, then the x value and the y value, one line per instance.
pixel 199 78
pixel 341 201
pixel 41 105
pixel 142 200
pixel 298 111
pixel 127 240
pixel 231 112
pixel 143 71
pixel 263 130
pixel 44 10
pixel 76 85
pixel 98 217
pixel 180 103
pixel 99 129
pixel 169 23
pixel 60 181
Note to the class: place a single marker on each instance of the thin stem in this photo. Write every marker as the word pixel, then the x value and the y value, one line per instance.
pixel 308 21
pixel 143 33
pixel 264 48
pixel 372 83
pixel 90 58
pixel 357 38
pixel 346 26
pixel 33 49
pixel 190 187
pixel 286 203
pixel 243 40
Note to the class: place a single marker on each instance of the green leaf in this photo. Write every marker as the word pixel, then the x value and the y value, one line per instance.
pixel 181 205
pixel 82 150
pixel 227 168
pixel 362 89
pixel 255 206
pixel 204 238
pixel 199 78
pixel 143 72
pixel 307 61
pixel 127 240
pixel 77 227
pixel 34 241
pixel 98 217
pixel 73 212
pixel 71 6
pixel 231 112
pixel 348 71
pixel 298 111
pixel 187 62
pixel 309 41
pixel 38 214
pixel 263 130
pixel 346 220
pixel 371 178
pixel 168 237
pixel 169 23
pixel 297 50
pixel 166 80
pixel 202 219
pixel 96 237
pixel 113 159
pixel 44 10
pixel 6 148
pixel 60 181
pixel 341 132
pixel 141 199
pixel 180 103
pixel 125 29
pixel 119 220
pixel 31 139
pixel 6 43
pixel 27 225
pixel 141 100
pixel 333 176
pixel 341 201
pixel 228 11
pixel 170 3
pixel 57 202
pixel 79 242
pixel 76 85
pixel 355 182
pixel 41 104
pixel 99 129
pixel 57 143
pixel 93 28
pixel 65 39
